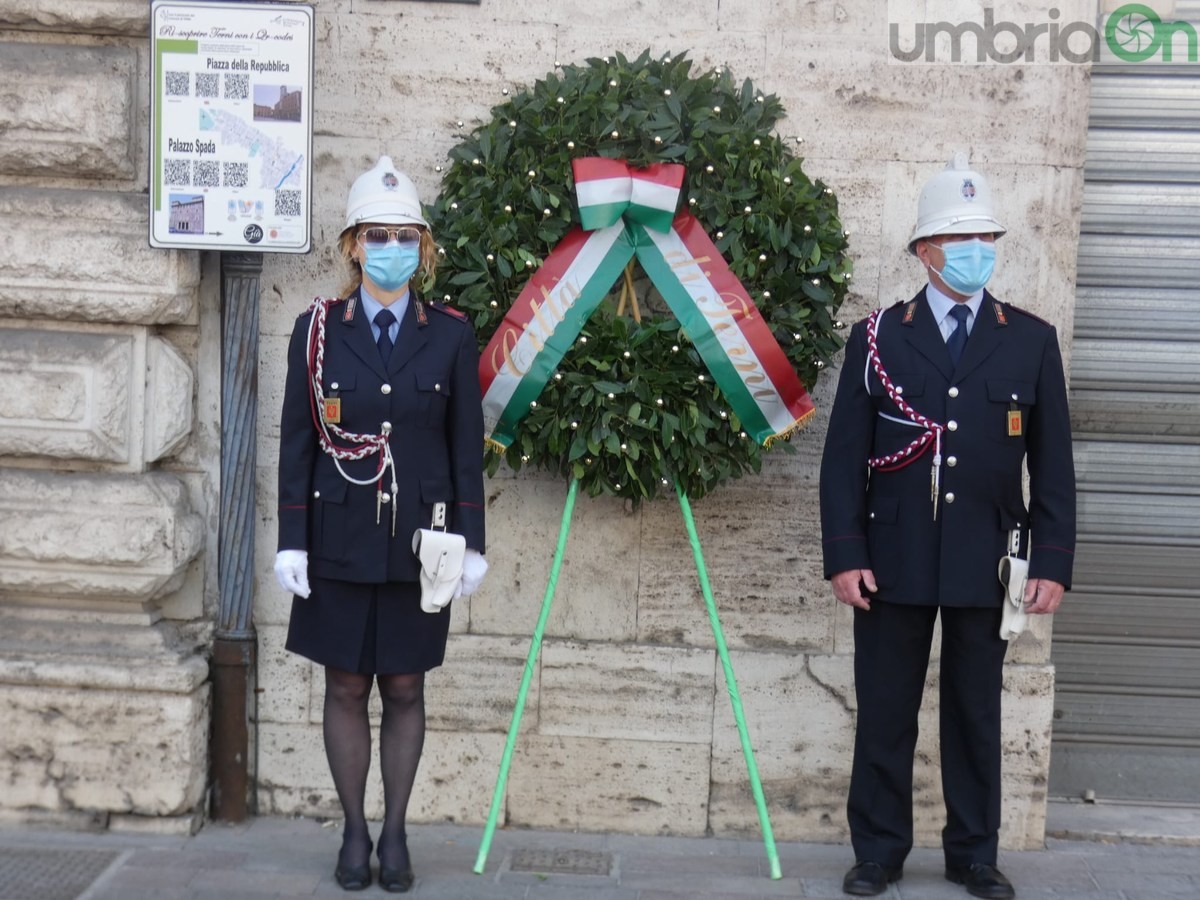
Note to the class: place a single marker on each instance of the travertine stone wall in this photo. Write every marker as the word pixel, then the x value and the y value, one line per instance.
pixel 105 713
pixel 628 724
pixel 105 484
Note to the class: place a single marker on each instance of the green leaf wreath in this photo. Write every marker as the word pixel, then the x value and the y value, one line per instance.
pixel 631 409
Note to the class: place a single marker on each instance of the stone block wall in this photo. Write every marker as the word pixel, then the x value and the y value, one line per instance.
pixel 114 352
pixel 105 479
pixel 628 725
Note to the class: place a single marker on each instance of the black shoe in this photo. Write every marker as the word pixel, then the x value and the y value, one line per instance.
pixel 982 880
pixel 866 879
pixel 397 879
pixel 353 878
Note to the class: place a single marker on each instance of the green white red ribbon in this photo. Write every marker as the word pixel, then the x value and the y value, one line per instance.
pixel 608 189
pixel 627 212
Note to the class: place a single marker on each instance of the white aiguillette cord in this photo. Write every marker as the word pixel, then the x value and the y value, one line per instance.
pixel 368 444
pixel 932 430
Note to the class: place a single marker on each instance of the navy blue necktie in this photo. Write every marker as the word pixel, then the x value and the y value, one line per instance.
pixel 383 321
pixel 958 337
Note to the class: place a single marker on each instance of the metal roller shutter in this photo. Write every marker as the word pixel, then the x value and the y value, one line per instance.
pixel 1127 639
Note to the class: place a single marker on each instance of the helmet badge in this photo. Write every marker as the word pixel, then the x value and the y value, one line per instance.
pixel 390 182
pixel 968 189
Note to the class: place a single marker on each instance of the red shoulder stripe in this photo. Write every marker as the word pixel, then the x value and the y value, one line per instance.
pixel 455 313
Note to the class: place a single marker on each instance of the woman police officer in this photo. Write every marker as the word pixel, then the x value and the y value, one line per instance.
pixel 381 434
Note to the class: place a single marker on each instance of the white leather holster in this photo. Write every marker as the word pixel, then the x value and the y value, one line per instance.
pixel 441 555
pixel 1013 572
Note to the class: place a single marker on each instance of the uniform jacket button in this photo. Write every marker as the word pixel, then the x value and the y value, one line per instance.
pixel 333 385
pixel 437 387
pixel 949 496
pixel 386 389
pixel 316 495
pixel 952 461
pixel 952 425
pixel 953 392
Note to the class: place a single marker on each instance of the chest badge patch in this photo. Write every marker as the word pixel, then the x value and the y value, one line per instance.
pixel 1014 423
pixel 331 410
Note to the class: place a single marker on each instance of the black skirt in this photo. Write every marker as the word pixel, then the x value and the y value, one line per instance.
pixel 377 629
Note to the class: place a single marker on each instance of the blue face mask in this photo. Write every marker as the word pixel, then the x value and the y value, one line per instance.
pixel 969 265
pixel 392 265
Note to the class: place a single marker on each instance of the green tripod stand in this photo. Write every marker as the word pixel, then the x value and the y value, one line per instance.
pixel 535 648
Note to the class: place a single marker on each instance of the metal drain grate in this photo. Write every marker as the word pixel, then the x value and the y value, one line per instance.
pixel 561 862
pixel 50 874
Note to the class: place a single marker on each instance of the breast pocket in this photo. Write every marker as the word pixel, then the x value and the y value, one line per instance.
pixel 1009 404
pixel 433 396
pixel 907 384
pixel 339 396
pixel 894 430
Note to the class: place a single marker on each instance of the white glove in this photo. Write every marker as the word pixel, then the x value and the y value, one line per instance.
pixel 474 568
pixel 291 571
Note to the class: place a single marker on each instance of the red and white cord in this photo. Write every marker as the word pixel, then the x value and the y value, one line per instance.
pixel 361 445
pixel 933 430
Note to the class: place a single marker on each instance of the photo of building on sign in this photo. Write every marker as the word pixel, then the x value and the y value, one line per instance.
pixel 277 102
pixel 187 214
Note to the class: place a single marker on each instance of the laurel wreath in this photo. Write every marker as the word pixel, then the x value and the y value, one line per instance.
pixel 631 410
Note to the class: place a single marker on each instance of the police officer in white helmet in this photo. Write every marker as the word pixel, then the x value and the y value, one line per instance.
pixel 942 400
pixel 381 439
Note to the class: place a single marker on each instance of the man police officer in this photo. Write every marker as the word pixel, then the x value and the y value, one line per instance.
pixel 941 400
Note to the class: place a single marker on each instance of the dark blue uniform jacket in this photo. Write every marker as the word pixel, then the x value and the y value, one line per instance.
pixel 883 521
pixel 429 393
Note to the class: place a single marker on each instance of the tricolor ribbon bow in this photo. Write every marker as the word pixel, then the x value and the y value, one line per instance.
pixel 626 212
pixel 610 189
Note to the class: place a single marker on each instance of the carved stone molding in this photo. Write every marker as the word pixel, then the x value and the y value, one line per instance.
pixel 108 397
pixel 109 273
pixel 66 111
pixel 128 17
pixel 103 540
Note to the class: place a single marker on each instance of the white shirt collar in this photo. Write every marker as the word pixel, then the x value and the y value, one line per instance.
pixel 371 306
pixel 940 305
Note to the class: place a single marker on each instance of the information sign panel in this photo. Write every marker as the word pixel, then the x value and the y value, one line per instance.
pixel 231 125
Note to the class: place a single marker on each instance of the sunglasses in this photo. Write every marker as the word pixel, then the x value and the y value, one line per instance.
pixel 378 236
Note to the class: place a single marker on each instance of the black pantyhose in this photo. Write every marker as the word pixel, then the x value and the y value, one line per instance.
pixel 348 748
pixel 401 738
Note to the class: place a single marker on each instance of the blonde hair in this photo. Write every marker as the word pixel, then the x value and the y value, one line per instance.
pixel 349 238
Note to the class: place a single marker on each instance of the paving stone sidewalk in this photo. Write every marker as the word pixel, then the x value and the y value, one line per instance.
pixel 1111 856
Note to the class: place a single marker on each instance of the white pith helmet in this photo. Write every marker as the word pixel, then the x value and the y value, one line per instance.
pixel 957 200
pixel 383 195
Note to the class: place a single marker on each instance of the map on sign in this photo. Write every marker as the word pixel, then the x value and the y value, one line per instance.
pixel 231 126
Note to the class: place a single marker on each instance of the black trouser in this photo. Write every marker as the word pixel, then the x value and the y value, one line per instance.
pixel 891 655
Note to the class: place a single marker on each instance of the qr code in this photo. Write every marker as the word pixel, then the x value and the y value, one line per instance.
pixel 236 174
pixel 207 84
pixel 178 171
pixel 287 203
pixel 178 84
pixel 237 87
pixel 208 173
